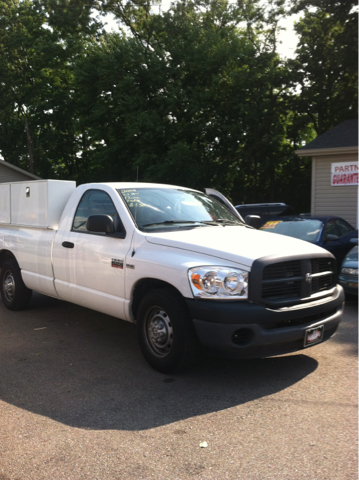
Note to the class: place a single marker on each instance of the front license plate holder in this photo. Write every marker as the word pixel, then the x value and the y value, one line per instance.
pixel 313 335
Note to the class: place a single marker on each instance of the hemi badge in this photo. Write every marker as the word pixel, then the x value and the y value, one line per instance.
pixel 117 263
pixel 130 266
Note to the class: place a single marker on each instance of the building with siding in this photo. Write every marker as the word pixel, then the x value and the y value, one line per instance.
pixel 335 172
pixel 10 173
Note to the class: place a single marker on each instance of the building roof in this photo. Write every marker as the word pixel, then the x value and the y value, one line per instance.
pixel 343 135
pixel 18 170
pixel 342 139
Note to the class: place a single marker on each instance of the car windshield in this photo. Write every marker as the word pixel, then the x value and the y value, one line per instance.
pixel 174 208
pixel 304 229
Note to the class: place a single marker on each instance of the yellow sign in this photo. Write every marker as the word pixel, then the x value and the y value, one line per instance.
pixel 271 224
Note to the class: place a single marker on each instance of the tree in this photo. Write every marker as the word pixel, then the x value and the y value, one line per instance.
pixel 36 57
pixel 198 96
pixel 326 65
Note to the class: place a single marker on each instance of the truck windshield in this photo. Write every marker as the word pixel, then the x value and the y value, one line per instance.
pixel 171 208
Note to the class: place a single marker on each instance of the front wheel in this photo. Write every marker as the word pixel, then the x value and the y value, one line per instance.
pixel 14 293
pixel 166 334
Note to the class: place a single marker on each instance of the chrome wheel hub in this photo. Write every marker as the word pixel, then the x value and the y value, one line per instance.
pixel 9 286
pixel 159 332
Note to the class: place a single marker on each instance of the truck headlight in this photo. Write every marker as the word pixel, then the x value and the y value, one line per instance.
pixel 218 282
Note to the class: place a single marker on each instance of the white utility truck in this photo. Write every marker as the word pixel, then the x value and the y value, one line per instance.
pixel 178 263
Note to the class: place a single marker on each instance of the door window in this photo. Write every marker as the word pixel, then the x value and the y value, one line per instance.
pixel 331 228
pixel 95 202
pixel 343 227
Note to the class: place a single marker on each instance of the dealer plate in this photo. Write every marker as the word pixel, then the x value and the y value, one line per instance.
pixel 313 335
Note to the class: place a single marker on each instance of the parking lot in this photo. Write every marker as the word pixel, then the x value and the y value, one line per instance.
pixel 77 401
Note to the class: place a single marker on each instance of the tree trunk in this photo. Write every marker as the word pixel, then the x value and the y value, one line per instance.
pixel 29 146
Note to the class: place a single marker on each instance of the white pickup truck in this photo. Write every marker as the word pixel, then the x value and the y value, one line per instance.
pixel 183 267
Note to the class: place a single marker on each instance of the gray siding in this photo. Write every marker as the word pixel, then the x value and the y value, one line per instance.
pixel 328 200
pixel 10 175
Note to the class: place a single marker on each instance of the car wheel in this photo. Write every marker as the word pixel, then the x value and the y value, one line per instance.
pixel 14 293
pixel 166 334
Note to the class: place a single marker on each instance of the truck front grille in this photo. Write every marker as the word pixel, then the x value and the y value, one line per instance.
pixel 321 264
pixel 325 282
pixel 279 290
pixel 294 280
pixel 282 270
pixel 322 283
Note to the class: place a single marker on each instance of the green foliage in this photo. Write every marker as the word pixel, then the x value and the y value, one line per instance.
pixel 196 95
pixel 204 106
pixel 36 61
pixel 326 65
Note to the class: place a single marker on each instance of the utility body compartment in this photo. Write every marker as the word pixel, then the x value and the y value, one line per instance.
pixel 34 203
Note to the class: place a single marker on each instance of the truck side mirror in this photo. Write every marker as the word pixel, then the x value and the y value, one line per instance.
pixel 254 221
pixel 100 224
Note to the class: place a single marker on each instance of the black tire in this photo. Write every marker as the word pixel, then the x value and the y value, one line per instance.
pixel 14 293
pixel 166 334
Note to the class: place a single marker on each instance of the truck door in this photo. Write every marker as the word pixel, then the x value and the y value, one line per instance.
pixel 89 268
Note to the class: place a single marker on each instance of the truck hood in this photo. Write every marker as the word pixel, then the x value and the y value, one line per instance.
pixel 235 244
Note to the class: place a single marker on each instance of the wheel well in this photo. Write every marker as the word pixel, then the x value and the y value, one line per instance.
pixel 6 255
pixel 143 287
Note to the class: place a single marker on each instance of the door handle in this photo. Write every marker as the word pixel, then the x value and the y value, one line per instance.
pixel 68 244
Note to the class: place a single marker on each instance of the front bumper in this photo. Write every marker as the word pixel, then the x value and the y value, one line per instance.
pixel 248 330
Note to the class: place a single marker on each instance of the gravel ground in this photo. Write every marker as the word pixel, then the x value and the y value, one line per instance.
pixel 77 401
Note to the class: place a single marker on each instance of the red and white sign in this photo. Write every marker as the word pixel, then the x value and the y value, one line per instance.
pixel 344 173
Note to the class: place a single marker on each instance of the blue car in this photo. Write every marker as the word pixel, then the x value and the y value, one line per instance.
pixel 332 233
pixel 348 275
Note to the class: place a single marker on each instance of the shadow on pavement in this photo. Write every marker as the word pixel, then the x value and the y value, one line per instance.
pixel 85 370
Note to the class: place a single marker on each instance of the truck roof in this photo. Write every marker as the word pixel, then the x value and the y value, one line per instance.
pixel 137 185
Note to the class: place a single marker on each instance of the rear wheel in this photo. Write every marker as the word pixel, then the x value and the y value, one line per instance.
pixel 166 334
pixel 14 293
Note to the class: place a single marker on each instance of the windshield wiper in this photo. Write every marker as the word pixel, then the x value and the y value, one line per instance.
pixel 217 223
pixel 231 222
pixel 169 222
pixel 210 222
pixel 222 222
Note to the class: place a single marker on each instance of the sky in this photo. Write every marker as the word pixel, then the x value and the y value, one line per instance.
pixel 287 38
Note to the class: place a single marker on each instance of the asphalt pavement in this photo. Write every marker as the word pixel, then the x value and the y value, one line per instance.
pixel 77 401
